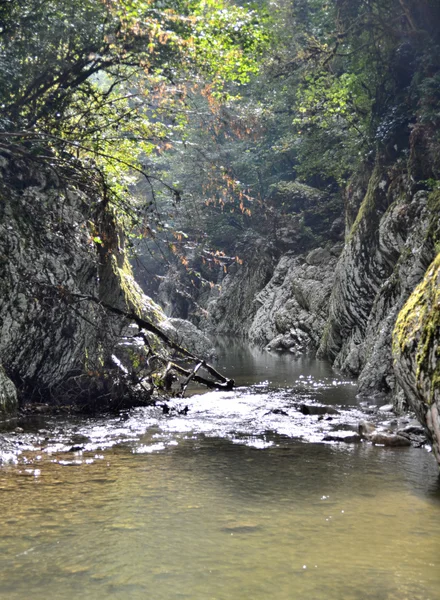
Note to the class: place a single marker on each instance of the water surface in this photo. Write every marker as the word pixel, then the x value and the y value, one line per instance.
pixel 231 502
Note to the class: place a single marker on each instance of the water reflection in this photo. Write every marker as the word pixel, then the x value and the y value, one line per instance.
pixel 232 501
pixel 250 365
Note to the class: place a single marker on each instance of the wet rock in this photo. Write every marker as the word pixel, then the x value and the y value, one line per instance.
pixel 348 437
pixel 386 408
pixel 412 430
pixel 366 428
pixel 313 409
pixel 76 448
pixel 277 411
pixel 388 439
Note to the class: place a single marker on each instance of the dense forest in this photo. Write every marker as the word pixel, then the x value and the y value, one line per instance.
pixel 268 172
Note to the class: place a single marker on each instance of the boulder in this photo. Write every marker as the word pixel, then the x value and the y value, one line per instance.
pixel 190 337
pixel 388 439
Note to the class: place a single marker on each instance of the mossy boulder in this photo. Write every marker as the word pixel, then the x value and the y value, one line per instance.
pixel 416 352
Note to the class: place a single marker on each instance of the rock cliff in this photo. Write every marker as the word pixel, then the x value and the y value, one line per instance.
pixel 65 288
pixel 385 256
pixel 293 307
pixel 416 351
pixel 342 300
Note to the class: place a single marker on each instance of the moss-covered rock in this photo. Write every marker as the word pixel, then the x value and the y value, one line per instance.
pixel 416 352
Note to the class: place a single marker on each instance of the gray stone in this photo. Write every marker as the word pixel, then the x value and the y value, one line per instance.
pixel 386 408
pixel 190 337
pixel 53 331
pixel 318 256
pixel 293 307
pixel 388 439
pixel 385 256
pixel 8 395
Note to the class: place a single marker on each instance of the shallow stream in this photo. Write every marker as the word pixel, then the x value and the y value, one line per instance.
pixel 240 499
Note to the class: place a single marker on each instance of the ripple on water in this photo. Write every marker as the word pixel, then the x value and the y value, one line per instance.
pixel 233 500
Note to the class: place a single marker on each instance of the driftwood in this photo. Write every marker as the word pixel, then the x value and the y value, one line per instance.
pixel 220 382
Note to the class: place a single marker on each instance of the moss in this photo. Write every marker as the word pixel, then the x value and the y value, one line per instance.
pixel 369 204
pixel 129 289
pixel 417 329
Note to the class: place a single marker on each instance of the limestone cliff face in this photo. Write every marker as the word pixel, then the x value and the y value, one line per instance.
pixel 62 261
pixel 386 254
pixel 293 307
pixel 278 296
pixel 228 306
pixel 47 254
pixel 416 351
pixel 231 309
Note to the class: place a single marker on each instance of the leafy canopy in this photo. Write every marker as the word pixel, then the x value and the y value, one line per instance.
pixel 94 86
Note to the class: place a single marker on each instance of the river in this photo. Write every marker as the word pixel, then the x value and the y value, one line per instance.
pixel 240 499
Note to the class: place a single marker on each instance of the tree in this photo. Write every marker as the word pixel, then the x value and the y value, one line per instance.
pixel 90 87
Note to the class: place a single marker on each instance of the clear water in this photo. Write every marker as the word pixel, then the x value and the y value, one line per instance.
pixel 231 502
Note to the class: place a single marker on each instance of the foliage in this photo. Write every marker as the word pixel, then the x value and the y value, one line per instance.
pixel 91 86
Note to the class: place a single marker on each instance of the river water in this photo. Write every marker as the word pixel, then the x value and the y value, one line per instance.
pixel 240 499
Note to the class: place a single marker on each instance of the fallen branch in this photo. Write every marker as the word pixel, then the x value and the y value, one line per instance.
pixel 188 379
pixel 221 382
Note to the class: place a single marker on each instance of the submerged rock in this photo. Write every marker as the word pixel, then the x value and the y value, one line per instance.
pixel 388 439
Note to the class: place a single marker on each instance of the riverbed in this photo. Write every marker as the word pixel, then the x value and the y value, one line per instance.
pixel 238 499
